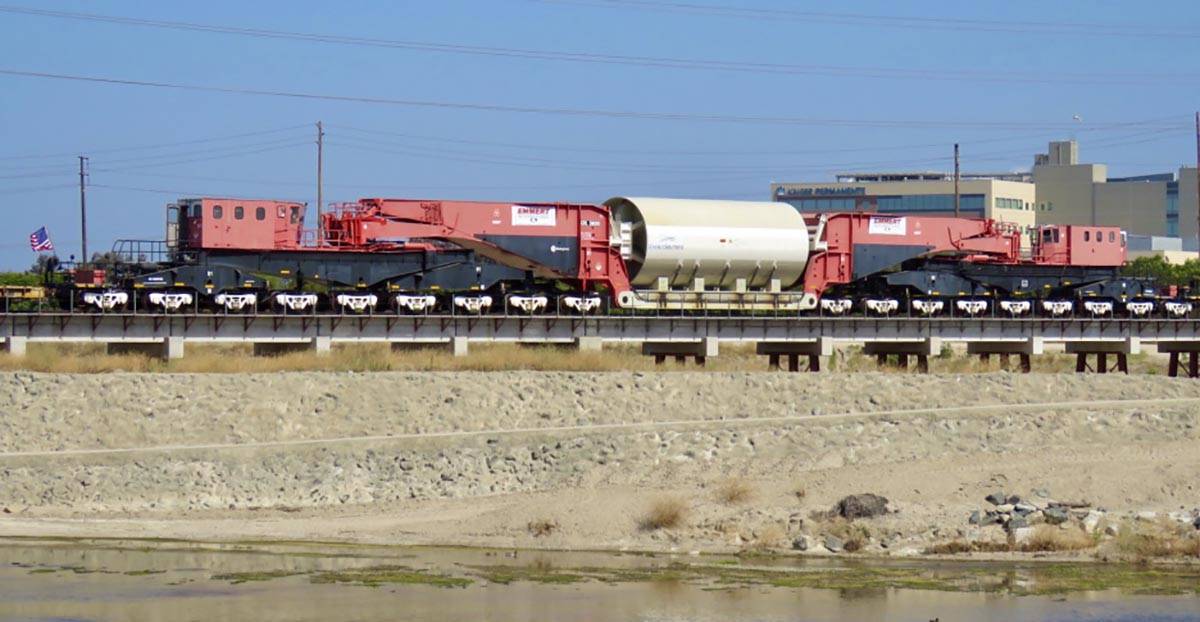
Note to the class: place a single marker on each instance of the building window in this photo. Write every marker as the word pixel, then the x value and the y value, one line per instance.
pixel 238 212
pixel 217 212
pixel 260 213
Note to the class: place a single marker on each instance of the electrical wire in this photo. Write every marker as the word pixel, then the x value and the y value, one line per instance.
pixel 889 21
pixel 569 112
pixel 896 73
pixel 151 147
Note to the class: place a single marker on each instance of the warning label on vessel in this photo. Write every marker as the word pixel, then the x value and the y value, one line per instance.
pixel 888 225
pixel 531 216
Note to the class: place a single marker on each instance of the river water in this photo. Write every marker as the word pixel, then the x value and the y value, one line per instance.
pixel 149 581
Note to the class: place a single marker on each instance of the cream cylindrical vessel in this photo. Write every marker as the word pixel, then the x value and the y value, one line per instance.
pixel 718 241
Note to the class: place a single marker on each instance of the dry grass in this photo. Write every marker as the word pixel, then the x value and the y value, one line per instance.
pixel 958 547
pixel 734 491
pixel 1142 541
pixel 93 358
pixel 1047 538
pixel 664 513
pixel 854 535
pixel 542 527
pixel 769 537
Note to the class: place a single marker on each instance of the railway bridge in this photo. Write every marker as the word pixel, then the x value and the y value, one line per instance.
pixel 776 337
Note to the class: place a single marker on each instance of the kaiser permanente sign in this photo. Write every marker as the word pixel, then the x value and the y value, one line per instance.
pixel 824 192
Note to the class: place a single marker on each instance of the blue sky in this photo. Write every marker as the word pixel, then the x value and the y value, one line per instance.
pixel 1000 78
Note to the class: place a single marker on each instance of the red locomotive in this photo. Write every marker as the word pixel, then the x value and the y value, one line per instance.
pixel 626 255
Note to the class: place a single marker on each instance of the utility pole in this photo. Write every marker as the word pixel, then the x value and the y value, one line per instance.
pixel 1198 181
pixel 320 195
pixel 956 195
pixel 83 259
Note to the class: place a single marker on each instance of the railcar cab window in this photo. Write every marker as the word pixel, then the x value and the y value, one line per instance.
pixel 217 212
pixel 1087 235
pixel 238 212
pixel 295 214
pixel 260 213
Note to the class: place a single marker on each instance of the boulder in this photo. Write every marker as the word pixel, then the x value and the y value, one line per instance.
pixel 1015 523
pixel 1055 516
pixel 1022 535
pixel 1092 520
pixel 996 498
pixel 861 506
pixel 834 544
pixel 976 516
pixel 802 543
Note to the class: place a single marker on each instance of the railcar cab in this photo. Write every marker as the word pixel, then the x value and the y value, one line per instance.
pixel 243 224
pixel 1079 245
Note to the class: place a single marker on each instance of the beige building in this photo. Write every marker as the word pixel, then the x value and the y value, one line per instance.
pixel 1083 194
pixel 980 196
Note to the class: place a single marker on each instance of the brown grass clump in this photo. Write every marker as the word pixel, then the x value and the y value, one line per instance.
pixel 664 513
pixel 1162 539
pixel 959 547
pixel 1047 538
pixel 854 535
pixel 542 527
pixel 734 491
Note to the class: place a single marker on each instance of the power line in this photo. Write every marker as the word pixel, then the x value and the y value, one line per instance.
pixel 890 21
pixel 154 146
pixel 899 73
pixel 570 112
pixel 204 159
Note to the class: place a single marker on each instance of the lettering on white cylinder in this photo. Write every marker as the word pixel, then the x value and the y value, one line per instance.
pixel 971 307
pixel 296 302
pixel 1057 308
pixel 528 304
pixel 928 307
pixel 836 306
pixel 1178 309
pixel 357 303
pixel 415 303
pixel 236 302
pixel 473 304
pixel 106 301
pixel 882 306
pixel 582 304
pixel 1141 308
pixel 1016 307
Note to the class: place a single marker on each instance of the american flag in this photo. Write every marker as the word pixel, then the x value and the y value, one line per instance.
pixel 40 241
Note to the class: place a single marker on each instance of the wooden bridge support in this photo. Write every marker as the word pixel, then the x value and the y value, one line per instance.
pixel 1120 350
pixel 1176 348
pixel 902 350
pixel 1024 349
pixel 794 350
pixel 681 350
